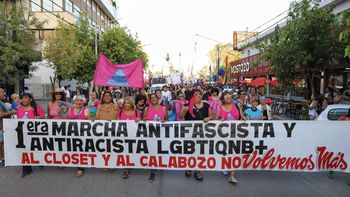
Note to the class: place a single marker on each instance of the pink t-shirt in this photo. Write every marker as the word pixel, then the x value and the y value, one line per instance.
pixel 80 116
pixel 133 116
pixel 30 113
pixel 234 113
pixel 151 113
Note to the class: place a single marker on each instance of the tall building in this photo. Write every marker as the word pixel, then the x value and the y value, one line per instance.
pixel 101 13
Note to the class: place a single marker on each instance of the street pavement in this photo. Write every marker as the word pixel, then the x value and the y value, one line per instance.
pixel 54 181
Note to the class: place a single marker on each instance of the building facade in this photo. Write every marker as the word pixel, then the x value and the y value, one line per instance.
pixel 251 66
pixel 101 13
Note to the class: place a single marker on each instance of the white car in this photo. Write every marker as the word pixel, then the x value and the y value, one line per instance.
pixel 334 112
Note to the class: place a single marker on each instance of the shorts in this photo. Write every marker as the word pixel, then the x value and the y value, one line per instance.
pixel 1 136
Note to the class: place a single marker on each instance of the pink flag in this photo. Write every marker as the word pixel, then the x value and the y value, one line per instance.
pixel 124 75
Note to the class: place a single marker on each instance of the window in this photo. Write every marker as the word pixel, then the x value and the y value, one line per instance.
pixel 57 6
pixel 51 5
pixel 98 12
pixel 69 6
pixel 335 114
pixel 35 5
pixel 93 7
pixel 47 5
pixel 89 4
pixel 77 11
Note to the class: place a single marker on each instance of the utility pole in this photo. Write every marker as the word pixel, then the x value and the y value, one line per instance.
pixel 217 48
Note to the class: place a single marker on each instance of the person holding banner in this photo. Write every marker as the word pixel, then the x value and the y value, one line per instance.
pixel 107 110
pixel 79 112
pixel 155 112
pixel 4 113
pixel 29 110
pixel 128 112
pixel 229 111
pixel 196 110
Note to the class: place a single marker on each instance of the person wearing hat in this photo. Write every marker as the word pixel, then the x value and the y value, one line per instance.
pixel 253 113
pixel 55 108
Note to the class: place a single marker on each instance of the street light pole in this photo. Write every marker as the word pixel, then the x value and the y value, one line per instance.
pixel 217 48
pixel 218 60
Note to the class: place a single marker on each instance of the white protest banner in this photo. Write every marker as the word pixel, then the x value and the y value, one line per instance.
pixel 191 145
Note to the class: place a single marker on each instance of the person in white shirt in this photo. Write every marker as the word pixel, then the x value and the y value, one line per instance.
pixel 265 108
pixel 67 93
pixel 166 94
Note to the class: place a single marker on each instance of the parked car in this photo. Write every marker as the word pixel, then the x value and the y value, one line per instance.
pixel 334 112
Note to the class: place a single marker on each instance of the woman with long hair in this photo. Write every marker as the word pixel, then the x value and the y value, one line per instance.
pixel 128 112
pixel 196 110
pixel 229 111
pixel 54 107
pixel 140 103
pixel 29 110
pixel 155 112
pixel 79 112
pixel 107 110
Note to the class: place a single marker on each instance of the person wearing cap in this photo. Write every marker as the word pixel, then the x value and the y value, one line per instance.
pixel 253 113
pixel 265 108
pixel 54 110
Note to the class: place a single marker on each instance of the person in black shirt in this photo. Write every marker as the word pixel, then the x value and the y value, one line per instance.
pixel 196 110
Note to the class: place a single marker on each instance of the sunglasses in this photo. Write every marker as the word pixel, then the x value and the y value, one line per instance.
pixel 57 93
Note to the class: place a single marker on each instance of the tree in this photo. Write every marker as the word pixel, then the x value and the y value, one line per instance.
pixel 306 45
pixel 344 36
pixel 16 43
pixel 121 47
pixel 224 52
pixel 71 51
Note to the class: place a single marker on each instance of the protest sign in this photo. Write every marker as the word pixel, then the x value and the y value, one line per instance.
pixel 183 145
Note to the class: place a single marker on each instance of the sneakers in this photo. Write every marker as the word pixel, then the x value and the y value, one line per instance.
pixel 2 163
pixel 225 173
pixel 232 179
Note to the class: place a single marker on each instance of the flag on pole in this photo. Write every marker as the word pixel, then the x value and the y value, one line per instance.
pixel 223 72
pixel 121 75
